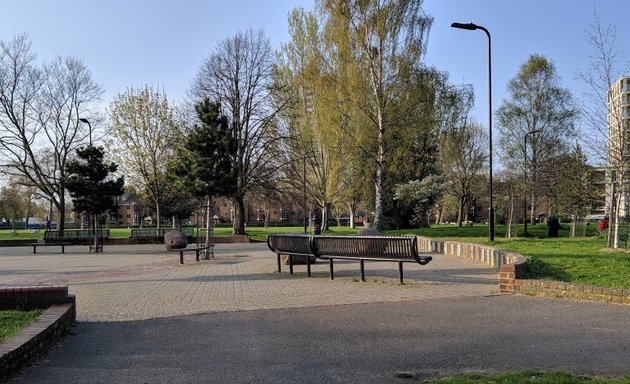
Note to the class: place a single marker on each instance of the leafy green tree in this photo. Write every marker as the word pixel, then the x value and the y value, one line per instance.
pixel 577 187
pixel 143 136
pixel 307 72
pixel 14 204
pixel 422 196
pixel 537 103
pixel 205 166
pixel 384 42
pixel 91 184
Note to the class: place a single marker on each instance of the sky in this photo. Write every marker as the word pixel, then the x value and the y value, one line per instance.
pixel 130 43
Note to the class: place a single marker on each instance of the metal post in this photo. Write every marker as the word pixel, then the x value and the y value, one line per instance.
pixel 472 27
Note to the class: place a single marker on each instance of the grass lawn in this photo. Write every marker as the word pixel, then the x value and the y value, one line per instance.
pixel 529 376
pixel 579 260
pixel 11 322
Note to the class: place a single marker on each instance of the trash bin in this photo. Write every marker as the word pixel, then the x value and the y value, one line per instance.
pixel 316 224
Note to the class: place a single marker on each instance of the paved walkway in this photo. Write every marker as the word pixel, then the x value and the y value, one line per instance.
pixel 447 318
pixel 137 282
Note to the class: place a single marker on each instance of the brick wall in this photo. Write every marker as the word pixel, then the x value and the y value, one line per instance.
pixel 513 273
pixel 37 337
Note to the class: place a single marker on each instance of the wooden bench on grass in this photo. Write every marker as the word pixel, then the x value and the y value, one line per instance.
pixel 190 249
pixel 400 249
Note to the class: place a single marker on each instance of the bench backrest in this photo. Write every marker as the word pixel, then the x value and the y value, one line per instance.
pixel 368 247
pixel 75 234
pixel 295 244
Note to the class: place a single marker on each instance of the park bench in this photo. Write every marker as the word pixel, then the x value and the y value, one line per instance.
pixel 70 237
pixel 74 235
pixel 43 243
pixel 291 245
pixel 400 249
pixel 181 251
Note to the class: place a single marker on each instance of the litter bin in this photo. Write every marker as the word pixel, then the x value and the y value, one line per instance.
pixel 316 226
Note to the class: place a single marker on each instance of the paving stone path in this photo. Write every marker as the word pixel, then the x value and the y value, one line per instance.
pixel 137 282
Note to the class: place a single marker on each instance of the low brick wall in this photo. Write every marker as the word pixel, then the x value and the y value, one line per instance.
pixel 513 273
pixel 37 337
pixel 491 256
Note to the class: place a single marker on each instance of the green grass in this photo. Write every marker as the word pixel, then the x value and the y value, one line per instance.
pixel 529 376
pixel 579 260
pixel 11 322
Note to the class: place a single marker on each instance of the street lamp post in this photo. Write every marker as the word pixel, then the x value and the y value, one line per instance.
pixel 472 27
pixel 84 120
pixel 526 191
pixel 94 218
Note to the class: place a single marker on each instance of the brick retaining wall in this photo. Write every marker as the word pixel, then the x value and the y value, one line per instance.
pixel 37 337
pixel 513 273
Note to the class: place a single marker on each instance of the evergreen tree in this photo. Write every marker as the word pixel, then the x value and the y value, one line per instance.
pixel 88 182
pixel 206 160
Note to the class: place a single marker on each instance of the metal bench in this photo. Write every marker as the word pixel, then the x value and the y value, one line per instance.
pixel 191 249
pixel 63 245
pixel 399 249
pixel 291 245
pixel 75 235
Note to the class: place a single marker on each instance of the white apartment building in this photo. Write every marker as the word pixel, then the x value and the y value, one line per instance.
pixel 619 144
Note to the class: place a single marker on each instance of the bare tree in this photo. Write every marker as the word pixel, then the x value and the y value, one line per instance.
pixel 238 75
pixel 602 139
pixel 40 108
pixel 464 157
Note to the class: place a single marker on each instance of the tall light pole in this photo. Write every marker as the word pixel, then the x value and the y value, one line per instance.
pixel 525 146
pixel 89 126
pixel 94 218
pixel 472 27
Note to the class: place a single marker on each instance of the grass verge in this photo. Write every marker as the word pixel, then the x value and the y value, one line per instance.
pixel 12 321
pixel 529 376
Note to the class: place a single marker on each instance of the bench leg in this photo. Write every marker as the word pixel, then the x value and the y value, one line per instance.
pixel 332 274
pixel 291 264
pixel 400 271
pixel 279 263
pixel 197 255
pixel 308 265
pixel 181 257
pixel 362 269
pixel 63 248
pixel 34 248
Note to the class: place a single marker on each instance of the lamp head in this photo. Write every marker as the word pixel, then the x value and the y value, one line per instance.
pixel 468 26
pixel 83 119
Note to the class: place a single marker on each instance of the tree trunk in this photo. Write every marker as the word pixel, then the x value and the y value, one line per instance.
pixel 351 210
pixel 238 226
pixel 460 211
pixel 209 253
pixel 157 214
pixel 440 212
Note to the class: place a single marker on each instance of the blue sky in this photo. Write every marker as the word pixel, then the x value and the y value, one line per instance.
pixel 135 42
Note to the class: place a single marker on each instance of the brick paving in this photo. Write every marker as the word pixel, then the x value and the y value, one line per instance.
pixel 136 282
